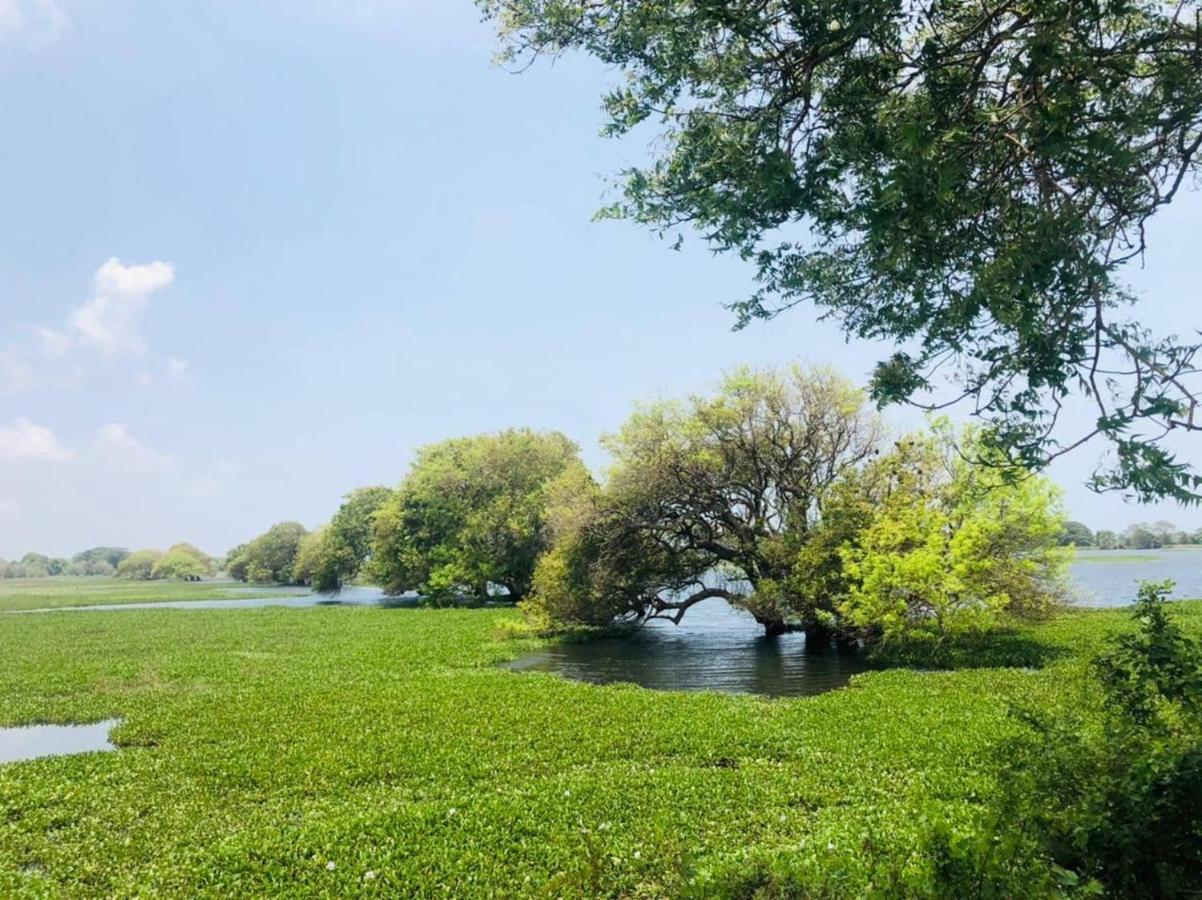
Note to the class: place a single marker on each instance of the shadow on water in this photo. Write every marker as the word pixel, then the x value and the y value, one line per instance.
pixel 36 741
pixel 716 648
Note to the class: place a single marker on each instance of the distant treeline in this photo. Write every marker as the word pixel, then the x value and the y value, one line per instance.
pixel 1143 536
pixel 97 561
pixel 182 561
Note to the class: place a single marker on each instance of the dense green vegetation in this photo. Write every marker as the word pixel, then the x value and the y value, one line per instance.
pixel 380 752
pixel 470 516
pixel 965 185
pixel 332 556
pixel 778 493
pixel 270 558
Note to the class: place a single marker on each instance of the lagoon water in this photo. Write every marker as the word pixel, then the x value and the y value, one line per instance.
pixel 34 741
pixel 1111 577
pixel 715 648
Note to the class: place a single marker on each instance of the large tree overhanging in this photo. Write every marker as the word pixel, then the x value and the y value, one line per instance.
pixel 963 178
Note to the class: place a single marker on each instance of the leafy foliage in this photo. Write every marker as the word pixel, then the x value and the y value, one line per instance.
pixel 470 515
pixel 270 558
pixel 774 495
pixel 727 487
pixel 139 565
pixel 260 746
pixel 965 182
pixel 1108 792
pixel 333 556
pixel 1076 534
pixel 952 546
pixel 184 562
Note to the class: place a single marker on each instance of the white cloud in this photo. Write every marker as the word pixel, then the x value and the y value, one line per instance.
pixel 110 321
pixel 118 444
pixel 23 440
pixel 54 343
pixel 38 21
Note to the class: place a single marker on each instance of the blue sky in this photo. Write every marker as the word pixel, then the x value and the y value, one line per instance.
pixel 253 252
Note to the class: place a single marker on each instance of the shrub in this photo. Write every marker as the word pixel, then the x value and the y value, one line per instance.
pixel 139 566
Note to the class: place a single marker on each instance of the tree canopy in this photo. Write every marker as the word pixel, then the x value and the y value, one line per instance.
pixel 776 494
pixel 269 558
pixel 185 562
pixel 139 565
pixel 333 555
pixel 110 555
pixel 470 515
pixel 1076 534
pixel 964 181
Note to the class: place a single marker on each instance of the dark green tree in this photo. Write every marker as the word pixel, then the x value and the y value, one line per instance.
pixel 1076 534
pixel 470 516
pixel 965 181
pixel 269 558
pixel 338 552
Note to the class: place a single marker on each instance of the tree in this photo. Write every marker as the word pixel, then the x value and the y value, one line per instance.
pixel 598 568
pixel 335 558
pixel 308 555
pixel 1107 540
pixel 185 562
pixel 1075 534
pixel 953 546
pixel 713 497
pixel 110 555
pixel 269 558
pixel 967 183
pixel 36 565
pixel 1140 537
pixel 139 565
pixel 469 516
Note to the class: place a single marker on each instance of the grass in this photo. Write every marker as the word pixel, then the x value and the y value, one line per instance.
pixel 369 752
pixel 63 591
pixel 1109 556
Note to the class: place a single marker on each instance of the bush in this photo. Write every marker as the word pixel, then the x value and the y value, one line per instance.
pixel 269 558
pixel 183 561
pixel 139 566
pixel 1108 794
pixel 954 545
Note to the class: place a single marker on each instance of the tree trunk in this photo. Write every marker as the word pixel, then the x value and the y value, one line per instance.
pixel 818 637
pixel 774 626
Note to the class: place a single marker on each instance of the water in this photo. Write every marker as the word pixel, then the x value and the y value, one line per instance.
pixel 36 741
pixel 1110 577
pixel 715 648
pixel 262 596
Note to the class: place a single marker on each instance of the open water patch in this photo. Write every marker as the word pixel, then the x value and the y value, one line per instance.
pixel 715 648
pixel 37 741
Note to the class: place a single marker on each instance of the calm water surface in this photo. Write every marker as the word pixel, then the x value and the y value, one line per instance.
pixel 1110 577
pixel 715 648
pixel 36 741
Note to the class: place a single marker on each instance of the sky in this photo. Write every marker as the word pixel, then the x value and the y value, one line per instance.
pixel 254 252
